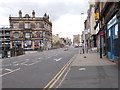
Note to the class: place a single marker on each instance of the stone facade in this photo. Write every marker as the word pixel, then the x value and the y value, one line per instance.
pixel 30 32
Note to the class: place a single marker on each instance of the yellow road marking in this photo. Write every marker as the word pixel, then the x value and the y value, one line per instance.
pixel 57 76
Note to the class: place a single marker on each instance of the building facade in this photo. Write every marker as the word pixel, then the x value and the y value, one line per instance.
pixel 55 38
pixel 109 25
pixel 76 39
pixel 30 32
pixel 4 42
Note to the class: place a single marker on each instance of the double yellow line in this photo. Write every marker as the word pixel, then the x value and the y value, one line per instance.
pixel 57 76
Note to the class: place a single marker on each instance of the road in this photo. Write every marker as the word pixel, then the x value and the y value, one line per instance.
pixel 34 70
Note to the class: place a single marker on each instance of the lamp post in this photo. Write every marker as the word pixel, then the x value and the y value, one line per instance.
pixel 100 33
pixel 84 51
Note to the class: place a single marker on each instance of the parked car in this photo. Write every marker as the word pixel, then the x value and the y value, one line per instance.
pixel 76 45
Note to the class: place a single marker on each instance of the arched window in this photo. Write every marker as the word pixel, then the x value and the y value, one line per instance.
pixel 27 35
pixel 37 34
pixel 16 35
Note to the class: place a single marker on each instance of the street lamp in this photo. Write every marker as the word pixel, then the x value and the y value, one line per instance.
pixel 84 37
pixel 100 33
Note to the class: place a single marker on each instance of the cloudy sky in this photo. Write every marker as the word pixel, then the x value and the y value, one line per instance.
pixel 65 15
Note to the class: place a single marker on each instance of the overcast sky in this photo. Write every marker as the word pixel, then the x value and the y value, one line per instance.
pixel 65 15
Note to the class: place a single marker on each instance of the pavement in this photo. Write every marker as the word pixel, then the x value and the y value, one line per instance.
pixel 89 71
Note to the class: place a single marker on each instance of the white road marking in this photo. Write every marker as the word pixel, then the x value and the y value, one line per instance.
pixel 23 63
pixel 9 72
pixel 9 69
pixel 33 63
pixel 15 64
pixel 21 60
pixel 58 59
pixel 82 69
pixel 63 78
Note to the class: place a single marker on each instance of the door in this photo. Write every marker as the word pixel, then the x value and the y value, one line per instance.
pixel 112 30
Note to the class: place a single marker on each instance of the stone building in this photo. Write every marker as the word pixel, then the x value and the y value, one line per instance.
pixel 76 39
pixel 30 32
pixel 92 23
pixel 55 38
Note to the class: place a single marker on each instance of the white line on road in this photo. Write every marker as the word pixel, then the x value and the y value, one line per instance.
pixel 82 69
pixel 48 57
pixel 21 60
pixel 34 63
pixel 58 59
pixel 9 72
pixel 63 78
pixel 9 69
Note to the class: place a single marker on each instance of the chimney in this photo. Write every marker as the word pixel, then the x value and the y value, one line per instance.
pixel 33 14
pixel 20 14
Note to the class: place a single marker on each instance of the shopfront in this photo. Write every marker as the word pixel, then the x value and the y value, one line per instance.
pixel 112 38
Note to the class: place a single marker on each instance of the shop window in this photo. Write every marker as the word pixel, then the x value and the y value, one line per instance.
pixel 28 44
pixel 109 33
pixel 116 31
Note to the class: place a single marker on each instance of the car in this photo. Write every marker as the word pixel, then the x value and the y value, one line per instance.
pixel 76 45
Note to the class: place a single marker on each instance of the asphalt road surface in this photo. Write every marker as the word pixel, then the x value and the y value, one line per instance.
pixel 34 70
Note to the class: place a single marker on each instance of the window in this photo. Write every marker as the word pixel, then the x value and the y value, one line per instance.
pixel 39 25
pixel 27 25
pixel 43 34
pixel 109 33
pixel 37 34
pixel 116 31
pixel 16 35
pixel 27 35
pixel 15 25
pixel 28 44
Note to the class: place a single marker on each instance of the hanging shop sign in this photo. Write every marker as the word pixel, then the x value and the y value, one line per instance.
pixel 102 34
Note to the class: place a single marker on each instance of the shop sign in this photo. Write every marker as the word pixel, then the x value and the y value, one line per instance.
pixel 102 34
pixel 112 22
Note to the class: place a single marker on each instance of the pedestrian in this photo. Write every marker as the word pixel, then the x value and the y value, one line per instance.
pixel 80 50
pixel 83 48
